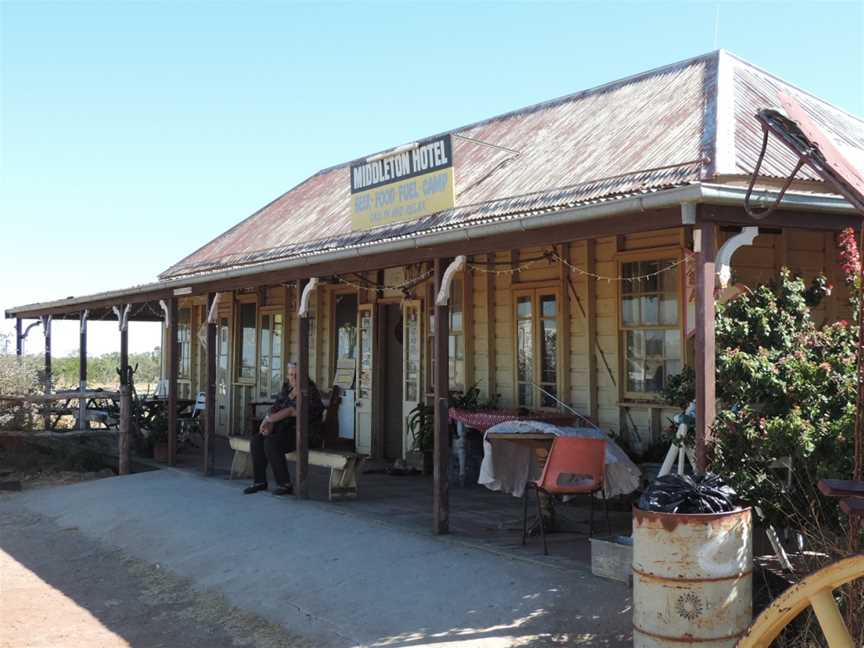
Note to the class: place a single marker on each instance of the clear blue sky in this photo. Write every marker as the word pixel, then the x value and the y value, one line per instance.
pixel 133 132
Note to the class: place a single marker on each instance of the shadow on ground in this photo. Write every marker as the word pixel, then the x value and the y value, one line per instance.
pixel 265 571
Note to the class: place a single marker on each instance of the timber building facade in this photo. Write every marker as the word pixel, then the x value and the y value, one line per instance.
pixel 589 225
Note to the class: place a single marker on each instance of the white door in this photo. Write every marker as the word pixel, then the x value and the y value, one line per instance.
pixel 223 409
pixel 412 384
pixel 365 347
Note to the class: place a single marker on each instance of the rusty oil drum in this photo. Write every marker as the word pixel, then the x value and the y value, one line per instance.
pixel 692 578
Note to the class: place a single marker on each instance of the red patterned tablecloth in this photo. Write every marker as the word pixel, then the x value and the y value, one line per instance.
pixel 484 419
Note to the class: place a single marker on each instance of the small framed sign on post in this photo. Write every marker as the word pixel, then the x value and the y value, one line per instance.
pixel 404 184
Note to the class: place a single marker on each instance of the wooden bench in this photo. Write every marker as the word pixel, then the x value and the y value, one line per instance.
pixel 344 466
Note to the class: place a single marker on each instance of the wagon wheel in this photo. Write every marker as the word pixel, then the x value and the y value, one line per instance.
pixel 816 591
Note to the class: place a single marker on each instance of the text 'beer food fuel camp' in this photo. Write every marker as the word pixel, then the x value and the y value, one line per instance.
pixel 404 185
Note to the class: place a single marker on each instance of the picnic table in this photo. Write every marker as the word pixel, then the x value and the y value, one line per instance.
pixel 97 405
pixel 152 406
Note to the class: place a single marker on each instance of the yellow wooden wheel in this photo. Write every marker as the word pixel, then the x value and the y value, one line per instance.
pixel 816 591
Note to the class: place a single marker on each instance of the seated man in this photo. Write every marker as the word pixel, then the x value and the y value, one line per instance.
pixel 277 435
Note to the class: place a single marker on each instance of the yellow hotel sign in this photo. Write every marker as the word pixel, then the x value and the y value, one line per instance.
pixel 403 185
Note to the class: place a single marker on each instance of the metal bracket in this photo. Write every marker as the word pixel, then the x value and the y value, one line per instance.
pixel 30 326
pixel 122 318
pixel 46 325
pixel 303 309
pixel 166 312
pixel 211 315
pixel 83 326
pixel 443 296
pixel 724 254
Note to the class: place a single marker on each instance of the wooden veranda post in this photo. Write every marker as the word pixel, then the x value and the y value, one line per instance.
pixel 46 331
pixel 210 401
pixel 302 402
pixel 173 370
pixel 19 340
pixel 125 400
pixel 706 235
pixel 441 453
pixel 82 370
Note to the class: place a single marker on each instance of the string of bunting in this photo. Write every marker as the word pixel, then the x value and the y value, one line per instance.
pixel 371 285
pixel 553 256
pixel 511 270
pixel 632 279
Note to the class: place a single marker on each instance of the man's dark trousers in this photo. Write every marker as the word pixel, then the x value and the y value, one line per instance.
pixel 272 449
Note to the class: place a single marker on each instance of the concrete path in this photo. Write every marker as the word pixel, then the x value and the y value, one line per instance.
pixel 334 577
pixel 59 589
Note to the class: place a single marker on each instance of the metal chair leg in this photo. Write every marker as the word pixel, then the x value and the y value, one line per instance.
pixel 524 515
pixel 606 511
pixel 540 522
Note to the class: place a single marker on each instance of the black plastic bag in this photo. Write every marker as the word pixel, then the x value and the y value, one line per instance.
pixel 675 493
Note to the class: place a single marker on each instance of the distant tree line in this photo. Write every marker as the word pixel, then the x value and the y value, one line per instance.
pixel 102 370
pixel 28 375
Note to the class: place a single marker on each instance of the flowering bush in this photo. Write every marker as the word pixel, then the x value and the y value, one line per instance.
pixel 787 389
pixel 18 376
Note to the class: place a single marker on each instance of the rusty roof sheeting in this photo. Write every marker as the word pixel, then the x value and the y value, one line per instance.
pixel 755 89
pixel 524 206
pixel 647 121
pixel 655 130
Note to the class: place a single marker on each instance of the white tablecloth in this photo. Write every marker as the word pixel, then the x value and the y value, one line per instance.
pixel 507 467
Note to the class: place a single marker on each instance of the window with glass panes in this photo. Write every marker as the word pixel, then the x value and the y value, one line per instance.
pixel 246 333
pixel 456 338
pixel 456 343
pixel 184 343
pixel 650 323
pixel 270 355
pixel 537 326
pixel 345 322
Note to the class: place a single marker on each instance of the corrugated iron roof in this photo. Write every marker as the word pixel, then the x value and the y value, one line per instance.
pixel 755 89
pixel 667 127
pixel 524 206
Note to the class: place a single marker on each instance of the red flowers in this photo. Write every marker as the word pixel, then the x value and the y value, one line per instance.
pixel 850 258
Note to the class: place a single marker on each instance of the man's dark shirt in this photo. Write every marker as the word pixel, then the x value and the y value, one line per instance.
pixel 286 399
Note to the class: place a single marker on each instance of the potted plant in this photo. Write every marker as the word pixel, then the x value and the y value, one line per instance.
pixel 157 435
pixel 421 424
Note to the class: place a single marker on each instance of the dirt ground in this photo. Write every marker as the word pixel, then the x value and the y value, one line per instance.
pixel 24 466
pixel 59 589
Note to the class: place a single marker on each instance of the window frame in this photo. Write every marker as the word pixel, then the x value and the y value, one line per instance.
pixel 428 328
pixel 240 302
pixel 184 347
pixel 334 292
pixel 660 255
pixel 272 312
pixel 536 293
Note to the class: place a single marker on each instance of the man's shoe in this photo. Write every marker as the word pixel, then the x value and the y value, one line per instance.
pixel 284 489
pixel 254 488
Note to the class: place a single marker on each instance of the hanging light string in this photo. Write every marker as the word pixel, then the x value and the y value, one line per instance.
pixel 553 257
pixel 371 285
pixel 511 270
pixel 632 279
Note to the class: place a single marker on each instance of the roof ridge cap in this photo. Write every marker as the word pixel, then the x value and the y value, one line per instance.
pixel 724 115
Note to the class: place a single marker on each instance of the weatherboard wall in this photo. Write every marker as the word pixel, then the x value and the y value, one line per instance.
pixel 489 317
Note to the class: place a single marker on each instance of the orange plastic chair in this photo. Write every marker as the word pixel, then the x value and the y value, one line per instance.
pixel 574 465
